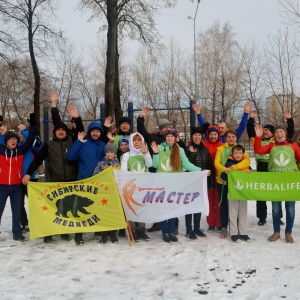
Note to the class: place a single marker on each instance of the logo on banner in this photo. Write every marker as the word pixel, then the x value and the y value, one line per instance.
pixel 282 159
pixel 239 184
pixel 128 189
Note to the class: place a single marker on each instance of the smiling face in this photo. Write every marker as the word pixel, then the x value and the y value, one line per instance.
pixel 12 143
pixel 222 128
pixel 124 147
pixel 231 139
pixel 95 134
pixel 125 127
pixel 213 137
pixel 280 134
pixel 197 138
pixel 109 155
pixel 60 133
pixel 170 139
pixel 237 154
pixel 267 133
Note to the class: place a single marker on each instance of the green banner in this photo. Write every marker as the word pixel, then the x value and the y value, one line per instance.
pixel 264 186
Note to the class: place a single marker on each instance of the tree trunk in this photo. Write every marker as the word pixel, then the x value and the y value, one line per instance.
pixel 111 56
pixel 118 108
pixel 35 69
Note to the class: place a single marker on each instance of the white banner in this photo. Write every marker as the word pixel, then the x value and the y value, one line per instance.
pixel 155 197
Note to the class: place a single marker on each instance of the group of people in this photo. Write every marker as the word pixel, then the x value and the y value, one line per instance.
pixel 73 155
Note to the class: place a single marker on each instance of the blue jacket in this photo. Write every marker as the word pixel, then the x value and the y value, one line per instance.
pixel 87 154
pixel 239 130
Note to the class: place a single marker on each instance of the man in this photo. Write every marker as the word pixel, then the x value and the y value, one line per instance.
pixel 11 162
pixel 223 127
pixel 262 160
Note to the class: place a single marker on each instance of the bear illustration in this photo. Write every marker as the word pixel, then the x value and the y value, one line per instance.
pixel 72 203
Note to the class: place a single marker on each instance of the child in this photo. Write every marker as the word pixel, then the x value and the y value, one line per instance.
pixel 138 159
pixel 123 147
pixel 108 160
pixel 237 208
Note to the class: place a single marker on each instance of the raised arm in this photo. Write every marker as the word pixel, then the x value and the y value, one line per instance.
pixel 290 124
pixel 243 123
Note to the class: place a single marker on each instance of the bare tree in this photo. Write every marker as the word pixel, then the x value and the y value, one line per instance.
pixel 131 18
pixel 32 19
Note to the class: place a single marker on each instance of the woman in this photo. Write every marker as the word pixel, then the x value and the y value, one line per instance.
pixel 222 155
pixel 169 157
pixel 212 143
pixel 198 155
pixel 282 146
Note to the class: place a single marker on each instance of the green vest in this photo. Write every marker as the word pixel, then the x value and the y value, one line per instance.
pixel 164 161
pixel 282 159
pixel 225 154
pixel 264 157
pixel 136 163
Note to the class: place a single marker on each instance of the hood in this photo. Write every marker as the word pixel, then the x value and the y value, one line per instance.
pixel 94 125
pixel 214 128
pixel 131 148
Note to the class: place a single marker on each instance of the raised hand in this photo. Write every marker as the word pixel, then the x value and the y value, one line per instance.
pixel 144 148
pixel 81 136
pixel 258 130
pixel 144 112
pixel 253 114
pixel 287 115
pixel 110 137
pixel 247 107
pixel 196 108
pixel 154 147
pixel 21 127
pixel 108 122
pixel 54 98
pixel 72 111
pixel 3 129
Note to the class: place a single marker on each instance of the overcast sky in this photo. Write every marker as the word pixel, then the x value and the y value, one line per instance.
pixel 251 19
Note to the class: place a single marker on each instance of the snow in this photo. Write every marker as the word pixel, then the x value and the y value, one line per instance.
pixel 205 268
pixel 210 267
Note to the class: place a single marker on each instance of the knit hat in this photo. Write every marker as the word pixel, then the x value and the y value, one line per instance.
pixel 213 129
pixel 10 135
pixel 123 140
pixel 124 120
pixel 196 130
pixel 280 127
pixel 270 127
pixel 162 123
pixel 110 148
pixel 60 125
pixel 171 131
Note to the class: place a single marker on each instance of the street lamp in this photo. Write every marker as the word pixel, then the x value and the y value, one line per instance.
pixel 195 61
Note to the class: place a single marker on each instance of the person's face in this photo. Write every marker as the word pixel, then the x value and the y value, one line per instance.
pixel 110 155
pixel 223 128
pixel 137 144
pixel 238 155
pixel 95 134
pixel 231 139
pixel 267 133
pixel 280 134
pixel 170 140
pixel 12 143
pixel 213 137
pixel 197 138
pixel 162 131
pixel 60 134
pixel 124 147
pixel 125 127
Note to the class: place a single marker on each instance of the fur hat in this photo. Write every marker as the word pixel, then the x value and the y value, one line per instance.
pixel 10 135
pixel 60 125
pixel 196 130
pixel 162 123
pixel 124 120
pixel 171 131
pixel 270 127
pixel 110 148
pixel 280 127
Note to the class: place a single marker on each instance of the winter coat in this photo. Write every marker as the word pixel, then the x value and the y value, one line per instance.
pixel 89 153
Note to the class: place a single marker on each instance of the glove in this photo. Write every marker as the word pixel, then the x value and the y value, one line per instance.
pixel 205 126
pixel 31 119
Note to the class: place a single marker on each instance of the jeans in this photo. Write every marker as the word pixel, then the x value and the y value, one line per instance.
pixel 188 222
pixel 290 215
pixel 15 194
pixel 168 226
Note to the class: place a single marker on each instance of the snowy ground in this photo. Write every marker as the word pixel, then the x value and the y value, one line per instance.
pixel 210 268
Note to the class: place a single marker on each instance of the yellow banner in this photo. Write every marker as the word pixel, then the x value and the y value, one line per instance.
pixel 88 205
